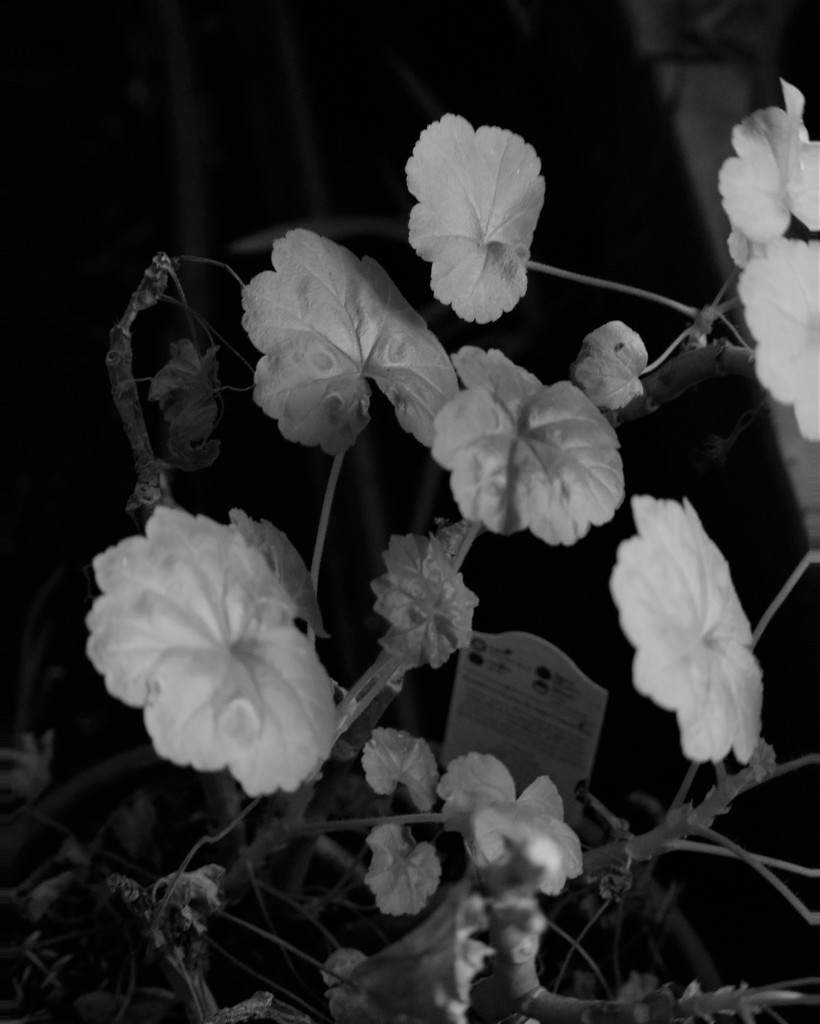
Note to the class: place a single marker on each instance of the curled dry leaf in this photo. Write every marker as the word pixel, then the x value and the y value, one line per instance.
pixel 185 389
pixel 479 195
pixel 326 323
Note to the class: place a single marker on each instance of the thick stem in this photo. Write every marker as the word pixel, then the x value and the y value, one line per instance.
pixel 119 360
pixel 719 359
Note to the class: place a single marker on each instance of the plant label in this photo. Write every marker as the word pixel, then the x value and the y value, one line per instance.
pixel 520 698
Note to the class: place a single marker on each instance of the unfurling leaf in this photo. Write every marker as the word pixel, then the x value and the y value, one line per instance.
pixel 609 365
pixel 479 196
pixel 425 600
pixel 526 456
pixel 403 875
pixel 286 563
pixel 392 756
pixel 326 322
pixel 185 389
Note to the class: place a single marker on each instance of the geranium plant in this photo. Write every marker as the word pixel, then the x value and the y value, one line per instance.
pixel 214 629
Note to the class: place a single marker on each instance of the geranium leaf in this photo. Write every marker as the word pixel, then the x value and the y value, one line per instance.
pixel 774 174
pixel 195 628
pixel 403 875
pixel 679 609
pixel 287 564
pixel 424 599
pixel 523 458
pixel 781 302
pixel 392 756
pixel 609 365
pixel 479 195
pixel 325 321
pixel 185 389
pixel 471 782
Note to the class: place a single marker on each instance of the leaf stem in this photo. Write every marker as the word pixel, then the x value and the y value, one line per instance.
pixel 213 263
pixel 365 690
pixel 316 828
pixel 685 786
pixel 693 846
pixel 627 289
pixel 810 557
pixel 707 833
pixel 321 532
pixel 665 354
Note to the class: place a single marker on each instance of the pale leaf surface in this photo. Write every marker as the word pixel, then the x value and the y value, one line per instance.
pixel 403 875
pixel 609 365
pixel 479 196
pixel 471 782
pixel 286 563
pixel 425 600
pixel 548 462
pixel 325 321
pixel 781 300
pixel 480 802
pixel 773 174
pixel 679 609
pixel 193 626
pixel 393 756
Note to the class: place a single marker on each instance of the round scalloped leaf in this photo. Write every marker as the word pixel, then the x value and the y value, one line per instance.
pixel 393 756
pixel 403 875
pixel 679 609
pixel 550 464
pixel 479 195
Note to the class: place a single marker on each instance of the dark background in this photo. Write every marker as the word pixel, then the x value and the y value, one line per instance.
pixel 189 127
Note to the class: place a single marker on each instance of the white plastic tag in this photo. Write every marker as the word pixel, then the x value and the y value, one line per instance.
pixel 522 699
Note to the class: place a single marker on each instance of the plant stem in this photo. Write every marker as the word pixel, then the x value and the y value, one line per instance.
pixel 213 263
pixel 685 786
pixel 321 532
pixel 364 690
pixel 692 846
pixel 666 352
pixel 781 887
pixel 577 942
pixel 808 558
pixel 119 360
pixel 615 286
pixel 718 359
pixel 316 828
pixel 471 534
